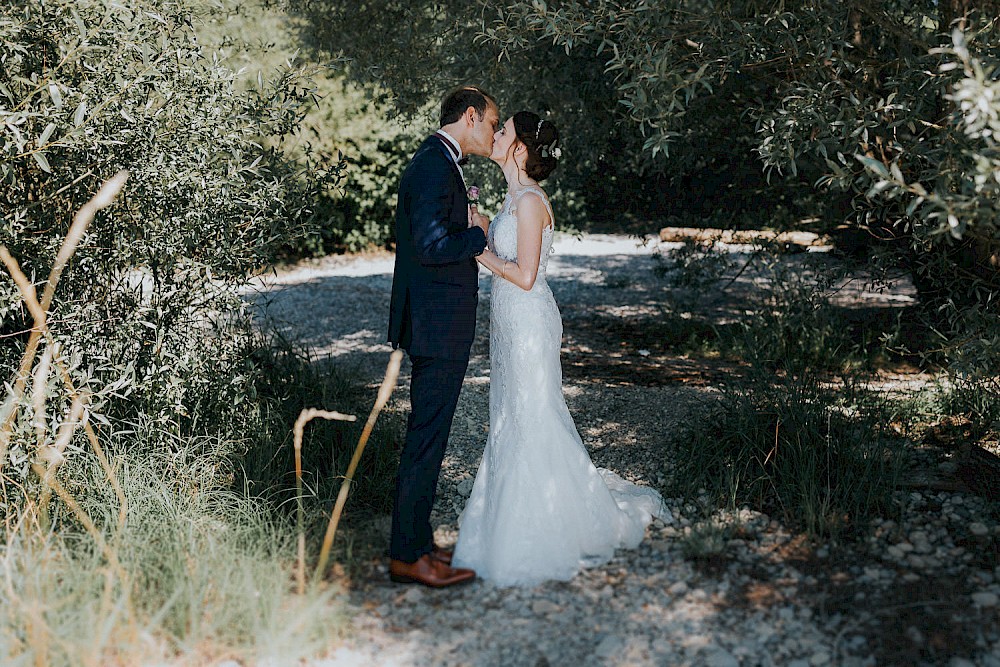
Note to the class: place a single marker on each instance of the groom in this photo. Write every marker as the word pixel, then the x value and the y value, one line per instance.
pixel 433 317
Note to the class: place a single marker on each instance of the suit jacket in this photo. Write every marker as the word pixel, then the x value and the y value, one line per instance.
pixel 435 282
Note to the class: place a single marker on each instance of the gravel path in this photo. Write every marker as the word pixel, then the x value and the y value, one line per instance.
pixel 921 591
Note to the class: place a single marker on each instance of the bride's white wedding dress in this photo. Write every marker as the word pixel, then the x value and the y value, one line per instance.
pixel 539 507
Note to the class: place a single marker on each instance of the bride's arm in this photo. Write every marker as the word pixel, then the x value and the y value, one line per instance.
pixel 532 217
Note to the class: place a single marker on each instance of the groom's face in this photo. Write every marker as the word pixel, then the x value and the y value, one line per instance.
pixel 481 132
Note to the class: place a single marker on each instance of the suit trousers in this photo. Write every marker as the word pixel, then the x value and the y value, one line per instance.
pixel 434 388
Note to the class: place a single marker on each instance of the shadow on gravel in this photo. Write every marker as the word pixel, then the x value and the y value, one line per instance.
pixel 633 373
pixel 920 620
pixel 342 319
pixel 640 351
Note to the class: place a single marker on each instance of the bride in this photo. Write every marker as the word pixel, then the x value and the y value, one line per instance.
pixel 539 507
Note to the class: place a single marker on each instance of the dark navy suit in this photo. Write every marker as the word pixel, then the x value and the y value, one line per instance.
pixel 432 316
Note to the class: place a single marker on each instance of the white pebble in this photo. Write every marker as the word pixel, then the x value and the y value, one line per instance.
pixel 545 607
pixel 720 657
pixel 678 589
pixel 819 658
pixel 609 647
pixel 985 599
pixel 413 596
pixel 662 646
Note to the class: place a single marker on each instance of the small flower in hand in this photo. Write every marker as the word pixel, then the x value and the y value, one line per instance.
pixel 473 194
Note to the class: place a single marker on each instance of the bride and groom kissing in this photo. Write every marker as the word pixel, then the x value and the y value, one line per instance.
pixel 539 508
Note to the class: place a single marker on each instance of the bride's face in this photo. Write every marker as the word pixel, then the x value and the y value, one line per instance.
pixel 504 143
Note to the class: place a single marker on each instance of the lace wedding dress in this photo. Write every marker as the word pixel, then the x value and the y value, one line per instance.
pixel 539 507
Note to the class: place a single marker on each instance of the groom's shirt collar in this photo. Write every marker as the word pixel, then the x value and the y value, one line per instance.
pixel 453 146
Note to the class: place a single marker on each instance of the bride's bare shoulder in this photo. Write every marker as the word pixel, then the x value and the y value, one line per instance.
pixel 533 207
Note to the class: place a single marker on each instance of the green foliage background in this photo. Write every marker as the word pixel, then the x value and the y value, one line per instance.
pixel 192 406
pixel 879 119
pixel 94 88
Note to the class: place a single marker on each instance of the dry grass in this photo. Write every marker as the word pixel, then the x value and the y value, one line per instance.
pixel 141 560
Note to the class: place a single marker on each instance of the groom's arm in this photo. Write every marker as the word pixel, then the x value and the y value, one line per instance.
pixel 430 210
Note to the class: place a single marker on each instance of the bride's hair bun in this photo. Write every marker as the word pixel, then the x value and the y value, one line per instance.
pixel 541 138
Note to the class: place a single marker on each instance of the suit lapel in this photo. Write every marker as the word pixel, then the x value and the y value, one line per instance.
pixel 440 143
pixel 447 144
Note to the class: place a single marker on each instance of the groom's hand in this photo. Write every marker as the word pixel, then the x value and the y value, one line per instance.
pixel 477 219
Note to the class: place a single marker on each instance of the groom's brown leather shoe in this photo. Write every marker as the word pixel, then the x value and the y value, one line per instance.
pixel 442 555
pixel 428 571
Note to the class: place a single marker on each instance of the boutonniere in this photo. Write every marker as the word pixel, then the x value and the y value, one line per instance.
pixel 473 194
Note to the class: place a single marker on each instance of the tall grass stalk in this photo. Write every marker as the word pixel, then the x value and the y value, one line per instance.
pixel 295 382
pixel 39 309
pixel 50 457
pixel 198 574
pixel 384 392
pixel 305 417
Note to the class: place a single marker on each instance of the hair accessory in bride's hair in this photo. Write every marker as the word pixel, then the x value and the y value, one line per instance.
pixel 539 129
pixel 550 149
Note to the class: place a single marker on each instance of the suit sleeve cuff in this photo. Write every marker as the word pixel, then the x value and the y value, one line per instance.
pixel 483 248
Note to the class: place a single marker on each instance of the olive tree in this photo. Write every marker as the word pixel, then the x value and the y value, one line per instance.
pixel 882 109
pixel 147 313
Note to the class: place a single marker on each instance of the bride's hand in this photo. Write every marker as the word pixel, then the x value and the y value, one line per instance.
pixel 483 258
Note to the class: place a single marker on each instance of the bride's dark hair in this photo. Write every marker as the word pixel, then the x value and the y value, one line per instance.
pixel 540 137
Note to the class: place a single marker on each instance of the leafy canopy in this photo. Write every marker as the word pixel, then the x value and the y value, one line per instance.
pixel 887 110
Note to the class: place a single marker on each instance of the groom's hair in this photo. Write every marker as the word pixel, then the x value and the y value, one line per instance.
pixel 457 101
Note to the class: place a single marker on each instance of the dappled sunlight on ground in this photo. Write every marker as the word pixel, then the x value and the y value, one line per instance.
pixel 639 369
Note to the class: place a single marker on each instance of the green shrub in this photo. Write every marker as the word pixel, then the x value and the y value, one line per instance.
pixel 794 433
pixel 146 313
pixel 794 327
pixel 787 319
pixel 362 214
pixel 974 400
pixel 149 326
